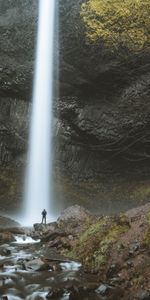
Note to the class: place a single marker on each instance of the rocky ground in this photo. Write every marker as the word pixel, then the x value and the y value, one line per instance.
pixel 80 256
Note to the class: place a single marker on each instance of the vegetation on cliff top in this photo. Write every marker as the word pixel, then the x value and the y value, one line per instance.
pixel 118 23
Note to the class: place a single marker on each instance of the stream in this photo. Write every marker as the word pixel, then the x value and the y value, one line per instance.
pixel 28 271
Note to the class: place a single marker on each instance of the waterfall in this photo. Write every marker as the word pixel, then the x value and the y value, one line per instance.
pixel 38 175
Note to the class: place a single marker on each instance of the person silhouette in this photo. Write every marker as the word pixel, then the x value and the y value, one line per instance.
pixel 44 213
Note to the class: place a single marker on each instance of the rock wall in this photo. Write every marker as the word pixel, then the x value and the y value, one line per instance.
pixel 14 124
pixel 101 108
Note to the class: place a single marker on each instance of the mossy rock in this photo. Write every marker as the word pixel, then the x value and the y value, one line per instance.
pixel 93 246
pixel 148 217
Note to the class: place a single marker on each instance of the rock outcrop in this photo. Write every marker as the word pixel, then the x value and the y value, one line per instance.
pixel 6 222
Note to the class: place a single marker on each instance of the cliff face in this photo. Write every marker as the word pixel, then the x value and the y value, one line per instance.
pixel 109 117
pixel 102 114
pixel 17 31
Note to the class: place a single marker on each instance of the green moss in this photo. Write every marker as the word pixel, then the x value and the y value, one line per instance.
pixel 141 191
pixel 100 260
pixel 114 23
pixel 137 280
pixel 147 237
pixel 148 217
pixel 92 248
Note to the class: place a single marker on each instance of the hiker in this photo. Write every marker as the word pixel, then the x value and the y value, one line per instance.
pixel 44 213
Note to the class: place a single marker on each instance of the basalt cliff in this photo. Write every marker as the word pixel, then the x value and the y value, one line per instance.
pixel 101 112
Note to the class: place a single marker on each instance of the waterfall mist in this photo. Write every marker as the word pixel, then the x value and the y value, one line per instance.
pixel 38 175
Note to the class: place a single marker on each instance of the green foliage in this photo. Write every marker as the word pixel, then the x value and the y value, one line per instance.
pixel 118 23
pixel 137 280
pixel 92 248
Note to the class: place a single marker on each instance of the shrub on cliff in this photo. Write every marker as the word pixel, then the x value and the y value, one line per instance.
pixel 118 23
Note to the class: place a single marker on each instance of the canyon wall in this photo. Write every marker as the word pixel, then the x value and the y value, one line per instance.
pixel 101 112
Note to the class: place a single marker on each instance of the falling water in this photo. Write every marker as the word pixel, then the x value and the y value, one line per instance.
pixel 38 177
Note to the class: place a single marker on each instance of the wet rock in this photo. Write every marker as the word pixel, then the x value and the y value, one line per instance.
pixel 50 236
pixel 6 237
pixel 37 265
pixel 143 295
pixel 134 247
pixel 103 289
pixel 55 293
pixel 54 266
pixel 5 251
pixel 45 232
pixel 17 230
pixel 4 298
pixel 52 255
pixel 32 288
pixel 42 227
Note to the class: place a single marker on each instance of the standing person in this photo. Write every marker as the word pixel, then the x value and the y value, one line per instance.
pixel 44 213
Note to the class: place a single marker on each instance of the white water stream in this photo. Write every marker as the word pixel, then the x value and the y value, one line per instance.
pixel 38 176
pixel 23 239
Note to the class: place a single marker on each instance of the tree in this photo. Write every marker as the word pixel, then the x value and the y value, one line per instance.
pixel 119 23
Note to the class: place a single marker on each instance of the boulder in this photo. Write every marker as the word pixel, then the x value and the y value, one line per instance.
pixel 6 237
pixel 51 236
pixel 103 289
pixel 76 212
pixel 4 251
pixel 37 265
pixel 72 219
pixel 43 228
pixel 134 247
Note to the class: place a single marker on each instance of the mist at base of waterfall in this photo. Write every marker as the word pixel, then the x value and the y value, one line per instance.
pixel 38 183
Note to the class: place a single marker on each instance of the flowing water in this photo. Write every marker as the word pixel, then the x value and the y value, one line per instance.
pixel 38 175
pixel 21 278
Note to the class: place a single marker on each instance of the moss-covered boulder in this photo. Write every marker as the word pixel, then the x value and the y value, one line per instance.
pixel 93 246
